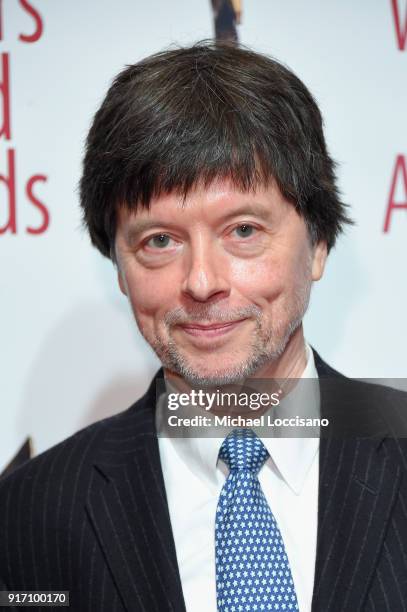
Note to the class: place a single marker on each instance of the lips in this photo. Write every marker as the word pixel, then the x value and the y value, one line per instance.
pixel 210 330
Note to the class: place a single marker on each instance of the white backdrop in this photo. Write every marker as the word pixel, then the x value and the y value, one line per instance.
pixel 70 352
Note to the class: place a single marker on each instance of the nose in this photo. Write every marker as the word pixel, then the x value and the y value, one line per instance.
pixel 206 272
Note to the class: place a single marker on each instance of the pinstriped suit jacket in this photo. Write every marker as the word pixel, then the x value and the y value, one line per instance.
pixel 90 515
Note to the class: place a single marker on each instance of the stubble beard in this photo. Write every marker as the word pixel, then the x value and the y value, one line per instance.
pixel 267 345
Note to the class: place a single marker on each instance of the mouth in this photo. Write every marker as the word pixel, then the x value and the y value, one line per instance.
pixel 211 330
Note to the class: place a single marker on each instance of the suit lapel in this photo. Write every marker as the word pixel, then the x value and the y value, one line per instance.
pixel 356 494
pixel 357 490
pixel 128 509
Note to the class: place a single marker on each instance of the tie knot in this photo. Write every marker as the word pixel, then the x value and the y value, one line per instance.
pixel 243 450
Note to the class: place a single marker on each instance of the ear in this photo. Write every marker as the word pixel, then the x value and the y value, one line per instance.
pixel 319 259
pixel 122 283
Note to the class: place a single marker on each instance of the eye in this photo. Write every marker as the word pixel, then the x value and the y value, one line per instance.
pixel 244 230
pixel 161 241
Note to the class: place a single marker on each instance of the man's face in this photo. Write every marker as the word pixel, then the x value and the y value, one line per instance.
pixel 218 283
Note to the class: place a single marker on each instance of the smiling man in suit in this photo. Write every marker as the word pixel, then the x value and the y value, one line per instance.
pixel 208 183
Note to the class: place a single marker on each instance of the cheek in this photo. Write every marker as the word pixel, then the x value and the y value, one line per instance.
pixel 150 294
pixel 272 279
pixel 258 280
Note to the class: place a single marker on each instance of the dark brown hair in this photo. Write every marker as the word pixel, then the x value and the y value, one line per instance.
pixel 188 115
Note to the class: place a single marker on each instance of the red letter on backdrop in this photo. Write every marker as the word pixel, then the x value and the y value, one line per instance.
pixel 10 182
pixel 41 207
pixel 36 35
pixel 392 205
pixel 5 130
pixel 400 35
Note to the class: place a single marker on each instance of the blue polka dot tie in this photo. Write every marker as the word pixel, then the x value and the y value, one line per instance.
pixel 252 569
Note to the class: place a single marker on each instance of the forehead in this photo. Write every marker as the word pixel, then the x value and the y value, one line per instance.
pixel 213 203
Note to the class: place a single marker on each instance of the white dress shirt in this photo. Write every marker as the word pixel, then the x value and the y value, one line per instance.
pixel 193 479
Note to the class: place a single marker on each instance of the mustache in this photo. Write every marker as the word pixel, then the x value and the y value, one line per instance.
pixel 209 313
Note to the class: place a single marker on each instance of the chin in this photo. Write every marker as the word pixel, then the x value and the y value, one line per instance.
pixel 200 375
pixel 212 379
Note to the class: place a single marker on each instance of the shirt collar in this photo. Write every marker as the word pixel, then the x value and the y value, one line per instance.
pixel 292 457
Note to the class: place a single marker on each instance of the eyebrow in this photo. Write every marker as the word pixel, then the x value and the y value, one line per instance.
pixel 255 209
pixel 142 225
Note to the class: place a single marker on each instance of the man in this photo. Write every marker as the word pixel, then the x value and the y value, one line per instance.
pixel 207 182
